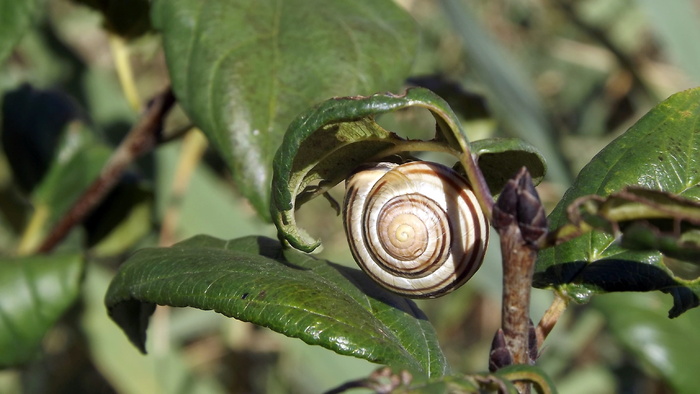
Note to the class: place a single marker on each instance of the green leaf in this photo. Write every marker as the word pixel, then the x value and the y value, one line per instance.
pixel 660 152
pixel 127 18
pixel 73 170
pixel 670 348
pixel 34 293
pixel 645 219
pixel 243 69
pixel 68 177
pixel 683 246
pixel 15 18
pixel 253 279
pixel 57 157
pixel 326 143
pixel 501 158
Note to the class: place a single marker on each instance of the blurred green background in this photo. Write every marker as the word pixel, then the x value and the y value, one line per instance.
pixel 567 76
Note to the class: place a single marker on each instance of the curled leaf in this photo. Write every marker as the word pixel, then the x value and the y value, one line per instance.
pixel 327 142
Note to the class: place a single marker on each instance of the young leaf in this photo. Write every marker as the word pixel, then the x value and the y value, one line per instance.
pixel 253 279
pixel 324 144
pixel 34 293
pixel 660 152
pixel 243 69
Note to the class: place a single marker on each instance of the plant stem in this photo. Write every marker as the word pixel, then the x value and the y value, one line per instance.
pixel 520 220
pixel 551 317
pixel 518 268
pixel 141 139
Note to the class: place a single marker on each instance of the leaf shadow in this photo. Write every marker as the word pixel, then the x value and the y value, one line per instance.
pixel 370 289
pixel 273 249
pixel 617 275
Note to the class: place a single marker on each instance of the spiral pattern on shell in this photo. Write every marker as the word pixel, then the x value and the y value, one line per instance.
pixel 415 228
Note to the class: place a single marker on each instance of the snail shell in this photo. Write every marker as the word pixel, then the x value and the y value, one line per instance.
pixel 415 228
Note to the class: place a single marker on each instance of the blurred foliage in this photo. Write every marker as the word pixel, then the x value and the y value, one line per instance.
pixel 566 76
pixel 127 18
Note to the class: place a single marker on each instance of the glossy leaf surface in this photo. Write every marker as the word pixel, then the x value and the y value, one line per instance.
pixel 34 293
pixel 254 279
pixel 244 69
pixel 660 152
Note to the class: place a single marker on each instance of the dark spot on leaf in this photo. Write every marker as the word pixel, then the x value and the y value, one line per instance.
pixel 262 294
pixel 661 158
pixel 244 296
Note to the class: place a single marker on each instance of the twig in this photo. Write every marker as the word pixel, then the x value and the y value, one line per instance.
pixel 520 220
pixel 141 139
pixel 551 317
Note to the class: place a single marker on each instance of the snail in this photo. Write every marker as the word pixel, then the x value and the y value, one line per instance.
pixel 415 228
